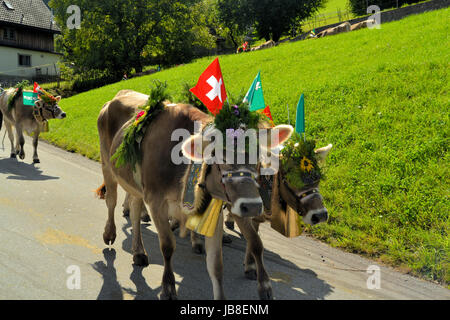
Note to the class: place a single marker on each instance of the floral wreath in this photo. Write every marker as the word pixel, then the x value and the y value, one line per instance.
pixel 129 150
pixel 299 162
pixel 233 120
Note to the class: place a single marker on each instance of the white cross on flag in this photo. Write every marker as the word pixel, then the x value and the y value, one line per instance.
pixel 210 88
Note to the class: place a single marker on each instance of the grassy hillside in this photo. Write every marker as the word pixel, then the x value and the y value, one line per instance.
pixel 380 96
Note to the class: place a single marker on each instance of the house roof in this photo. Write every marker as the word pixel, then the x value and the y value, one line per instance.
pixel 28 13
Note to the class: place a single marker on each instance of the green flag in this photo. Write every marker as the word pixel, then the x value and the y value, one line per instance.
pixel 300 119
pixel 254 95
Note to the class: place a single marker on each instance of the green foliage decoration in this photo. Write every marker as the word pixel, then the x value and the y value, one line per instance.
pixel 129 150
pixel 19 89
pixel 299 162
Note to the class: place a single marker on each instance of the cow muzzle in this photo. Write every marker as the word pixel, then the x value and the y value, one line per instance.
pixel 316 216
pixel 247 207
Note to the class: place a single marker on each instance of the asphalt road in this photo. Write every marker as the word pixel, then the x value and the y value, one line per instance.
pixel 51 224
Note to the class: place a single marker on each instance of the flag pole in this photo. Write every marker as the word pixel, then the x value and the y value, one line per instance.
pixel 287 107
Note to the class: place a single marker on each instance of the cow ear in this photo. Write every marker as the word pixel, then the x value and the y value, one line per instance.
pixel 323 152
pixel 281 133
pixel 192 148
pixel 39 103
pixel 58 99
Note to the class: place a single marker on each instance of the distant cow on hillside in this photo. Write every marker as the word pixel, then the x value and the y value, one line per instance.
pixel 362 24
pixel 344 27
pixel 265 45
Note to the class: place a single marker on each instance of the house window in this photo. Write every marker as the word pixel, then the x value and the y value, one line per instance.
pixel 24 60
pixel 9 34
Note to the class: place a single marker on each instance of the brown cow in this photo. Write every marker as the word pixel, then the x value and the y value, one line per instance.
pixel 306 202
pixel 362 24
pixel 265 45
pixel 156 182
pixel 29 118
pixel 344 27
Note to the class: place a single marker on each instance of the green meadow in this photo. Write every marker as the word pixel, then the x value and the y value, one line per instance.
pixel 379 96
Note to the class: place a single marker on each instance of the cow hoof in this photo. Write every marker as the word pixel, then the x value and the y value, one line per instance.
pixel 265 294
pixel 140 259
pixel 198 248
pixel 22 155
pixel 126 212
pixel 250 274
pixel 13 156
pixel 146 218
pixel 36 161
pixel 229 225
pixel 226 238
pixel 109 238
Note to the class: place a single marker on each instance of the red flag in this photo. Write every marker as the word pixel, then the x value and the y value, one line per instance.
pixel 210 88
pixel 36 88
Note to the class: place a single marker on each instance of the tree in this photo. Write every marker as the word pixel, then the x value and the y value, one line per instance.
pixel 275 18
pixel 114 33
pixel 234 15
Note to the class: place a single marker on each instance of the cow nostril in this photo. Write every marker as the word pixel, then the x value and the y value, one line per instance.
pixel 315 219
pixel 63 115
pixel 244 208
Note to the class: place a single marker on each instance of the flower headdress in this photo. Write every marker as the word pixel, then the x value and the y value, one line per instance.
pixel 233 120
pixel 47 97
pixel 299 162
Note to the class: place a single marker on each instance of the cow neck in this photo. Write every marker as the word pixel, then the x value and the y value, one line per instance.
pixel 38 114
pixel 201 197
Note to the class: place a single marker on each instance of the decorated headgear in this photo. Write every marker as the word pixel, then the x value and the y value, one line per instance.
pixel 46 97
pixel 300 163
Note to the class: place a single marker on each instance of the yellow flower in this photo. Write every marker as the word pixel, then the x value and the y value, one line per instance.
pixel 306 164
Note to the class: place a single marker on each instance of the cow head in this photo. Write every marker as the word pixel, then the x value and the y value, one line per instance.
pixel 228 179
pixel 307 201
pixel 48 108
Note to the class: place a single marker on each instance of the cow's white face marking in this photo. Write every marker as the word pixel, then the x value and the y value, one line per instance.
pixel 308 217
pixel 236 208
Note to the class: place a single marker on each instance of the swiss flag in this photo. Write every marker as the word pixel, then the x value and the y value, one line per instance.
pixel 210 88
pixel 36 88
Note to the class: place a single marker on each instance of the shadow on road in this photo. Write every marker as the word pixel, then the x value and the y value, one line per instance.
pixel 19 170
pixel 288 280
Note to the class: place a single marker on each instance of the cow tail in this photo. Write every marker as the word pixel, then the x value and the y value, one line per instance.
pixel 1 120
pixel 101 191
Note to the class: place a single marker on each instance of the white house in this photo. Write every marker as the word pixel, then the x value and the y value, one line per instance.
pixel 27 49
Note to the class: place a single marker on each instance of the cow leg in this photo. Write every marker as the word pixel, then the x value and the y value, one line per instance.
pixel 249 261
pixel 11 138
pixel 126 209
pixel 255 247
pixel 229 222
pixel 109 236
pixel 197 243
pixel 35 145
pixel 160 217
pixel 214 261
pixel 126 205
pixel 20 142
pixel 140 257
